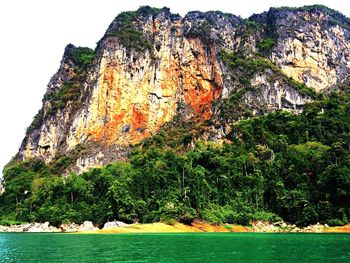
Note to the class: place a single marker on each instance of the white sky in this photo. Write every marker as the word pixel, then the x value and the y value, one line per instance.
pixel 33 35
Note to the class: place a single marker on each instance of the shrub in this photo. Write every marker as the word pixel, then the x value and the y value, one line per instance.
pixel 83 57
pixel 267 217
pixel 37 122
pixel 9 221
pixel 266 44
pixel 128 33
pixel 69 91
pixel 168 220
pixel 132 39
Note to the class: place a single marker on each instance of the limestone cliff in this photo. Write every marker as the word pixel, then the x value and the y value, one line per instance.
pixel 152 66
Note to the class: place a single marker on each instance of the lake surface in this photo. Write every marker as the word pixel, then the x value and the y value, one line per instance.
pixel 188 247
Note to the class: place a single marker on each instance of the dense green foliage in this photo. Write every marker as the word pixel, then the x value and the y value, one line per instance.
pixel 132 38
pixel 127 31
pixel 37 121
pixel 70 90
pixel 266 44
pixel 295 167
pixel 82 57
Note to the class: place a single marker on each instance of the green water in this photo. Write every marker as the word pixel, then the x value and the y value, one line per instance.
pixel 217 247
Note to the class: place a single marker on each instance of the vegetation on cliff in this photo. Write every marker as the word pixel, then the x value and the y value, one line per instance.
pixel 70 90
pixel 269 167
pixel 335 17
pixel 245 68
pixel 294 167
pixel 127 29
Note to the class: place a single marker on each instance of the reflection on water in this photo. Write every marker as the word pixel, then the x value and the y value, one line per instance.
pixel 192 247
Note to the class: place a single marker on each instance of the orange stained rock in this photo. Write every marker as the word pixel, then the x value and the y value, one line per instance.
pixel 129 105
pixel 200 89
pixel 139 118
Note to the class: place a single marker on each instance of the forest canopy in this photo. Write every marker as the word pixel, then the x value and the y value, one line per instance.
pixel 273 167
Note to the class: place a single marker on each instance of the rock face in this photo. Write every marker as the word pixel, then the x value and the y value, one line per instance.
pixel 87 226
pixel 113 224
pixel 311 47
pixel 44 227
pixel 152 66
pixel 34 228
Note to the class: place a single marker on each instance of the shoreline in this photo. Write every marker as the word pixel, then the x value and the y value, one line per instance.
pixel 117 227
pixel 203 227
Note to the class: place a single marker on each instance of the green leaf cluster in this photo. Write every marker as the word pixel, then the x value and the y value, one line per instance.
pixel 266 44
pixel 127 32
pixel 133 39
pixel 83 57
pixel 70 90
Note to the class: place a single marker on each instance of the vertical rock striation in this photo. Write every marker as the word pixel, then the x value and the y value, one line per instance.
pixel 152 66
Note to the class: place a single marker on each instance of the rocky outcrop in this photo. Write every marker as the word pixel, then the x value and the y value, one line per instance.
pixel 312 47
pixel 85 226
pixel 152 66
pixel 113 224
pixel 44 227
pixel 260 226
pixel 33 228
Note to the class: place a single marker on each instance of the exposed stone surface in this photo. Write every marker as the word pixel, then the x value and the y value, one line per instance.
pixel 114 224
pixel 34 228
pixel 128 92
pixel 69 227
pixel 257 226
pixel 310 49
pixel 42 227
pixel 260 226
pixel 87 226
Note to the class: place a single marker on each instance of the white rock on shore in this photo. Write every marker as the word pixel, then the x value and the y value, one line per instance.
pixel 73 227
pixel 87 226
pixel 34 227
pixel 260 226
pixel 68 228
pixel 45 227
pixel 114 223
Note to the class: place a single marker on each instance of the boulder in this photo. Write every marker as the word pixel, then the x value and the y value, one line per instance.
pixel 108 225
pixel 4 228
pixel 73 227
pixel 114 224
pixel 42 227
pixel 35 228
pixel 296 229
pixel 87 226
pixel 19 228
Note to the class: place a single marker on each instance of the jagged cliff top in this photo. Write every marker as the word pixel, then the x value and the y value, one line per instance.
pixel 154 69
